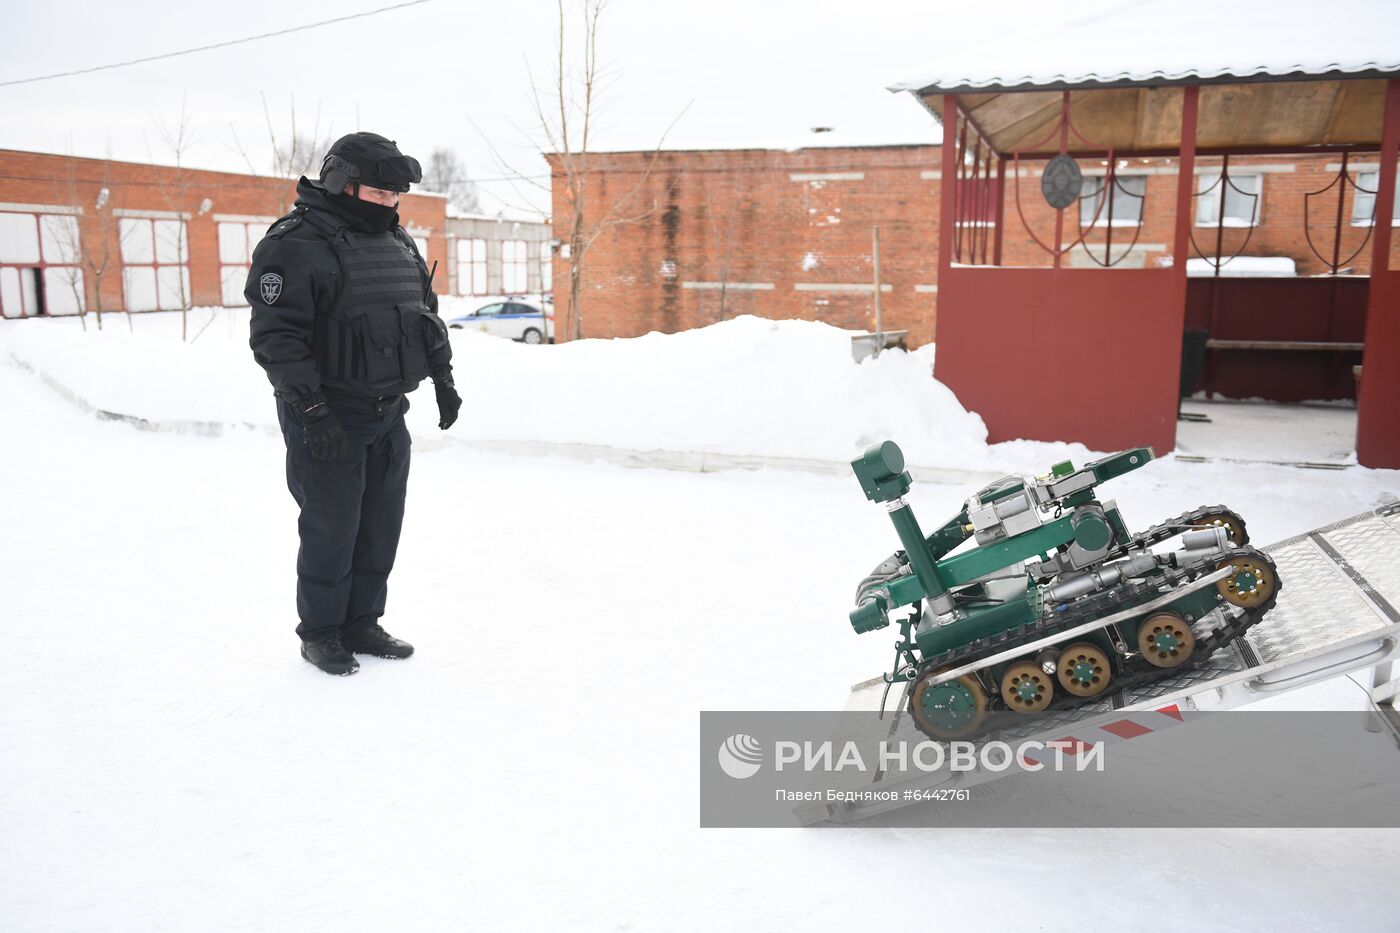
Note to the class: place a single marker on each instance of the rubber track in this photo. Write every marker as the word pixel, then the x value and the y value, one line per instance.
pixel 1124 596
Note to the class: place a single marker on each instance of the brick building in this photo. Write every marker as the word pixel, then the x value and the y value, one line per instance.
pixel 495 256
pixel 98 234
pixel 781 234
pixel 787 233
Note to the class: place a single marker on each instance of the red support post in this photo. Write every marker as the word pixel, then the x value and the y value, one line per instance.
pixel 1185 188
pixel 960 195
pixel 1064 147
pixel 1385 191
pixel 1000 209
pixel 948 185
pixel 976 212
pixel 1377 416
pixel 1186 178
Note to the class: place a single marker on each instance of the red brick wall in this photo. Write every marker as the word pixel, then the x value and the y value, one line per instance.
pixel 739 216
pixel 64 181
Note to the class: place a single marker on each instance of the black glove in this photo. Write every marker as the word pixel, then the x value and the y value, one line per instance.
pixel 324 435
pixel 449 402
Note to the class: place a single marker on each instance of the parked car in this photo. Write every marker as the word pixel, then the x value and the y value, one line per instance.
pixel 515 318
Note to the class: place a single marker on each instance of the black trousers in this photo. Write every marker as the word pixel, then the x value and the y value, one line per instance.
pixel 351 515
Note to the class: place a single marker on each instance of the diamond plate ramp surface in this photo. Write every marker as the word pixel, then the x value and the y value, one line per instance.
pixel 1319 604
pixel 1222 663
pixel 1372 548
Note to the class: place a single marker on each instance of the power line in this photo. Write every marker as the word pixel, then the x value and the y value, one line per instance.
pixel 216 45
pixel 253 181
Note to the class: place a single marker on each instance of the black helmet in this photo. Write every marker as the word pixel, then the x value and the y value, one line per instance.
pixel 369 159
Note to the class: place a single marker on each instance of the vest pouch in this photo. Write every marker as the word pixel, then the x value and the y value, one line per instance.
pixel 434 332
pixel 423 332
pixel 336 343
pixel 382 343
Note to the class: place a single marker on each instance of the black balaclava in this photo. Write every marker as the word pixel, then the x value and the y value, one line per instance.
pixel 374 218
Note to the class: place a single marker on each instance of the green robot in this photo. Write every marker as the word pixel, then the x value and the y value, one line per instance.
pixel 1056 603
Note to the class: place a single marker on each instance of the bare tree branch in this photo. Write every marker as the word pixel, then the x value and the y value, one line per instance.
pixel 566 119
pixel 175 192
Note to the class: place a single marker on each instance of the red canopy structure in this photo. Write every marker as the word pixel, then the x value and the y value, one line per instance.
pixel 1046 350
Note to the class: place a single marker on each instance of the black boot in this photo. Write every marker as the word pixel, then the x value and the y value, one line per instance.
pixel 329 655
pixel 370 638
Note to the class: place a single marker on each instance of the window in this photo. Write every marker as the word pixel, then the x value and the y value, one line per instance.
pixel 155 264
pixel 237 240
pixel 40 265
pixel 1242 199
pixel 1128 194
pixel 546 268
pixel 491 310
pixel 62 258
pixel 1363 206
pixel 515 268
pixel 471 267
pixel 19 238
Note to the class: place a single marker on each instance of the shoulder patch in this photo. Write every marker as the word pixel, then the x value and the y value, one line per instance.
pixel 270 285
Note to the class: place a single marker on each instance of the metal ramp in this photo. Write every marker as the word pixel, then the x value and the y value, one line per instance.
pixel 1338 611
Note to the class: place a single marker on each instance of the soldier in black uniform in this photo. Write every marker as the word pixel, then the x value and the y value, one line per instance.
pixel 345 323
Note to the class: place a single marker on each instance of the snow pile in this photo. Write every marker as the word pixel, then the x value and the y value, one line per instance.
pixel 137 365
pixel 747 386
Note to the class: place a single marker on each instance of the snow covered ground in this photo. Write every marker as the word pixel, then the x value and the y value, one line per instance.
pixel 1311 432
pixel 168 762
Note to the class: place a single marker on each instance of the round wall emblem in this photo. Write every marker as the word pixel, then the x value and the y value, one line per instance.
pixel 1061 182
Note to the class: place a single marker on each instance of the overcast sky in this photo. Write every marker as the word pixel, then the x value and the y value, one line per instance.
pixel 755 73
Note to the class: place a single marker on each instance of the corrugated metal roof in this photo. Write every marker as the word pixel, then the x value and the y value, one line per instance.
pixel 1173 40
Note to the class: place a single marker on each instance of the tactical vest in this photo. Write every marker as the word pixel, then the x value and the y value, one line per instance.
pixel 376 339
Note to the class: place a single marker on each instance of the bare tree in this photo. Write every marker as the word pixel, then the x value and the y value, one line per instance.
pixel 565 115
pixel 295 152
pixel 445 174
pixel 722 224
pixel 298 156
pixel 175 190
pixel 90 255
pixel 63 231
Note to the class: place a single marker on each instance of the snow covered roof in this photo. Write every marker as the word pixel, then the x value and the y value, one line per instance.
pixel 500 217
pixel 1157 41
pixel 1279 76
